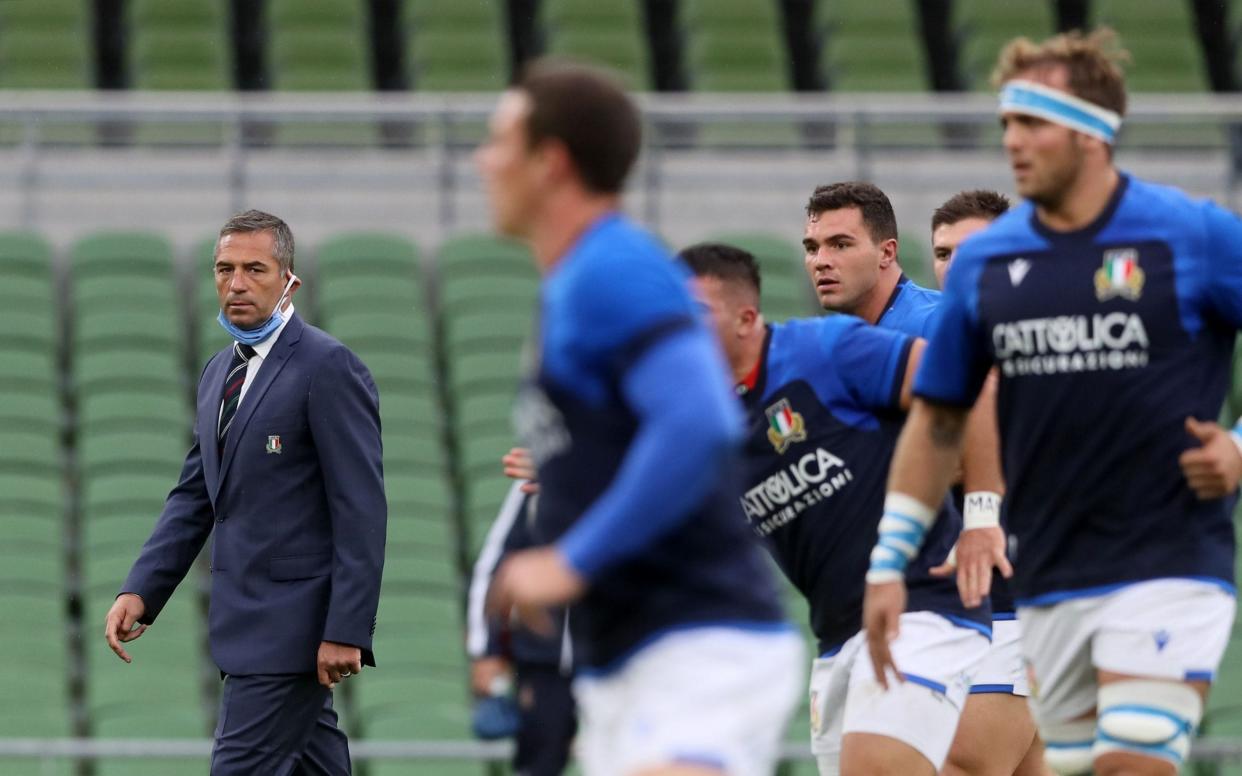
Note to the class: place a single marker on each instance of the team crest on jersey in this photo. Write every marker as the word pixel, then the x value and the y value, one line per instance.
pixel 1119 276
pixel 784 426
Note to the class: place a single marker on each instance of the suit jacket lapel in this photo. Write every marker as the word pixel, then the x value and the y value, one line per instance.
pixel 272 365
pixel 208 420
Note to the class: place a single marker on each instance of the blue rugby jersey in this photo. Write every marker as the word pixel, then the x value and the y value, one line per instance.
pixel 675 551
pixel 912 309
pixel 1106 339
pixel 823 423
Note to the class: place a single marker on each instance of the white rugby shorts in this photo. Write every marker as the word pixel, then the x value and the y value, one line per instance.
pixel 715 695
pixel 1003 670
pixel 937 658
pixel 1159 629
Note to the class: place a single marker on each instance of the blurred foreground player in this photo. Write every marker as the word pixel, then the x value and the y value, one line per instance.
pixel 1110 306
pixel 825 399
pixel 541 716
pixel 685 663
pixel 997 736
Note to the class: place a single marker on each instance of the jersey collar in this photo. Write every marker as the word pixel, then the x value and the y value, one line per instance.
pixel 752 384
pixel 902 280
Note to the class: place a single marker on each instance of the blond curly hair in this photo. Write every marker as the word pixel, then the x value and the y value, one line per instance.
pixel 1093 61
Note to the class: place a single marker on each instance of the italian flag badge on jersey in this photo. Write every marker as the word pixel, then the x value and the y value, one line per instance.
pixel 784 426
pixel 1119 276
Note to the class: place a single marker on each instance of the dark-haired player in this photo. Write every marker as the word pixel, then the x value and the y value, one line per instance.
pixel 685 662
pixel 997 734
pixel 824 400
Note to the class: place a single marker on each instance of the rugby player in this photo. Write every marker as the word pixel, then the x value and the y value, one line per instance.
pixel 686 665
pixel 996 736
pixel 824 399
pixel 850 254
pixel 1110 306
pixel 851 248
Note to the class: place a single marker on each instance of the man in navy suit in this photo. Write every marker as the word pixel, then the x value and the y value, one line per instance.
pixel 286 468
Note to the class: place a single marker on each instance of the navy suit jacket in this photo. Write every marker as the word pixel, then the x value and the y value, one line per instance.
pixel 297 505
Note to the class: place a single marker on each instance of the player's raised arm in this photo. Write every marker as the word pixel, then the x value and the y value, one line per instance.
pixel 923 468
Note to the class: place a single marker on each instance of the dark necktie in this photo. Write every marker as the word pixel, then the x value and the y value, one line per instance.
pixel 231 396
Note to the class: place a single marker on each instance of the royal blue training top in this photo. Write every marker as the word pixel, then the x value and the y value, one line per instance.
pixel 1107 338
pixel 636 438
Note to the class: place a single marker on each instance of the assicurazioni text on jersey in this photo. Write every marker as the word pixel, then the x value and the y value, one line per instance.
pixel 1107 339
pixel 824 418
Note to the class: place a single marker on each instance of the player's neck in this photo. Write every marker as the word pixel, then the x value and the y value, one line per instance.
pixel 873 305
pixel 747 359
pixel 564 219
pixel 1082 203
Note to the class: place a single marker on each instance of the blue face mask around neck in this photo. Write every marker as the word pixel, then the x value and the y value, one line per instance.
pixel 254 336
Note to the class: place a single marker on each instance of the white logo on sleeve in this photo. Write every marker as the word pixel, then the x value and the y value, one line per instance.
pixel 1017 271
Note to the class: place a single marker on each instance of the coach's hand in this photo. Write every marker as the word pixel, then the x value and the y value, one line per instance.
pixel 519 466
pixel 119 626
pixel 337 661
pixel 1213 469
pixel 882 608
pixel 529 582
pixel 976 553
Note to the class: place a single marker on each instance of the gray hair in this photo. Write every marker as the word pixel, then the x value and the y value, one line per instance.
pixel 258 221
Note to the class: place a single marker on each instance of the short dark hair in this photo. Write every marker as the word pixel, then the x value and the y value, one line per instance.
pixel 974 203
pixel 250 221
pixel 871 202
pixel 727 262
pixel 586 109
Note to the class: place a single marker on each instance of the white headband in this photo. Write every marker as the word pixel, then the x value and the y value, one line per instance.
pixel 1035 99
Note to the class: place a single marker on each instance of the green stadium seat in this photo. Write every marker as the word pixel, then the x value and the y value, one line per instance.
pixel 25 253
pixel 131 450
pixel 179 44
pixel 28 370
pixel 27 329
pixel 456 46
pixel 410 411
pixel 168 414
pixel 874 47
pixel 134 372
pixel 989 26
pixel 45 45
pixel 32 568
pixel 735 46
pixel 25 450
pixel 112 254
pixel 30 410
pixel 183 60
pixel 131 493
pixel 1161 41
pixel 125 328
pixel 607 34
pixel 35 495
pixel 371 253
pixel 319 45
pixel 24 529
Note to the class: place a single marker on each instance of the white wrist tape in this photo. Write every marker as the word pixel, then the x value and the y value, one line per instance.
pixel 902 528
pixel 982 510
pixel 1235 434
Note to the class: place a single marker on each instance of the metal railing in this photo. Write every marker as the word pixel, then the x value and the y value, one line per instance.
pixel 250 139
